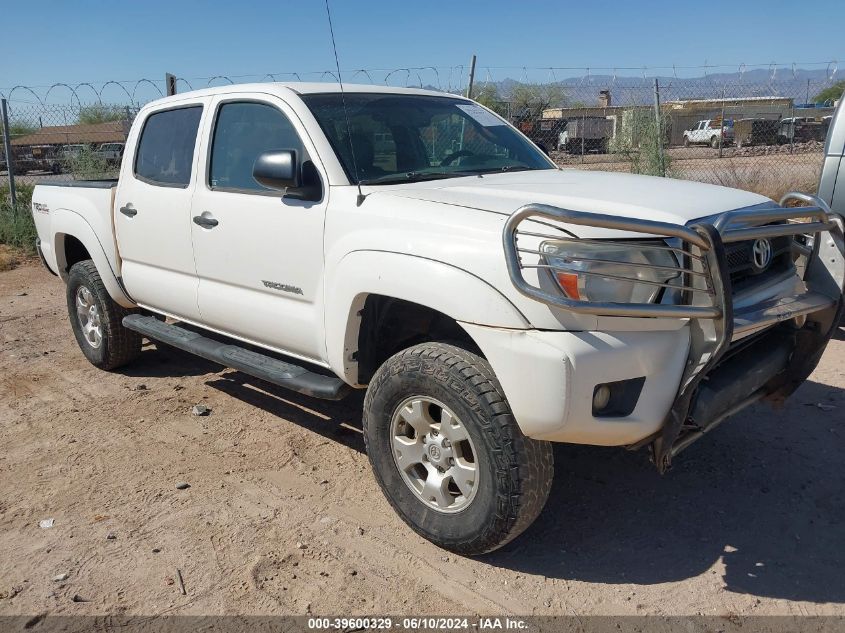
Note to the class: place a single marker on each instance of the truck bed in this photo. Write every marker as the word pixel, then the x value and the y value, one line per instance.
pixel 80 208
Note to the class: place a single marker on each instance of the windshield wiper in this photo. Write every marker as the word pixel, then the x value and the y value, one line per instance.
pixel 412 176
pixel 517 168
pixel 503 168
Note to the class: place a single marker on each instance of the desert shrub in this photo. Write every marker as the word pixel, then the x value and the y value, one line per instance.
pixel 640 142
pixel 17 227
pixel 86 165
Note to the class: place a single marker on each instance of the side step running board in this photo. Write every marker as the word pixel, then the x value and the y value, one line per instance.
pixel 255 364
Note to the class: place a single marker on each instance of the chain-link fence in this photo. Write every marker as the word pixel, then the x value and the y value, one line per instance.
pixel 50 142
pixel 766 137
pixel 757 131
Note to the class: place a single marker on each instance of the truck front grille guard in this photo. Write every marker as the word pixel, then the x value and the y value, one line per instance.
pixel 702 292
pixel 703 274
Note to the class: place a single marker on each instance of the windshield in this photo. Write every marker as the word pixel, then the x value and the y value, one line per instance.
pixel 403 138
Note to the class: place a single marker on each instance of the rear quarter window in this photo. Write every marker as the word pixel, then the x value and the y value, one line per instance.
pixel 165 152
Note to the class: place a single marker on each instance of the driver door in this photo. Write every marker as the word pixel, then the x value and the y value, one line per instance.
pixel 259 255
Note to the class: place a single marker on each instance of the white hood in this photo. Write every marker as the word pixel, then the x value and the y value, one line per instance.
pixel 619 194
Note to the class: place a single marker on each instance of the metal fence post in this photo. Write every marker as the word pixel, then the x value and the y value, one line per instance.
pixel 722 125
pixel 659 133
pixel 7 147
pixel 471 77
pixel 170 84
pixel 792 130
pixel 127 124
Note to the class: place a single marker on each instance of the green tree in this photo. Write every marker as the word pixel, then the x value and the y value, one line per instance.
pixel 532 99
pixel 101 113
pixel 831 93
pixel 488 96
pixel 17 128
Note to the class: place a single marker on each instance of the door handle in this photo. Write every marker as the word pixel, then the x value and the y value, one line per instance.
pixel 129 212
pixel 205 221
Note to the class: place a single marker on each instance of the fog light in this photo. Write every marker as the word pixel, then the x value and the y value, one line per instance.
pixel 601 397
pixel 617 399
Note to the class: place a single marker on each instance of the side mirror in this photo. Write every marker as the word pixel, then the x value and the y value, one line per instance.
pixel 277 169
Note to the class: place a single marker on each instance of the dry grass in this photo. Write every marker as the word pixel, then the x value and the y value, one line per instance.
pixel 17 227
pixel 10 258
pixel 752 178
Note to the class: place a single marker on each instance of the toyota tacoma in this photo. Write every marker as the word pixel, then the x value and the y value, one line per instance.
pixel 416 245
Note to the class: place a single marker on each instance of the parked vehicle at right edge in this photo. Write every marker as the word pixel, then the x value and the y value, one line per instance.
pixel 832 179
pixel 710 132
pixel 415 245
pixel 831 188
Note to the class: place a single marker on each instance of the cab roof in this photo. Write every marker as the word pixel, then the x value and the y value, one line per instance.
pixel 303 88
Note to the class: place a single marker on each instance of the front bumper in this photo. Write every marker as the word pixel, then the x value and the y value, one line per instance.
pixel 715 341
pixel 549 378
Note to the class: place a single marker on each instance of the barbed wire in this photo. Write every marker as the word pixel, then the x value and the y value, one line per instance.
pixel 444 78
pixel 448 78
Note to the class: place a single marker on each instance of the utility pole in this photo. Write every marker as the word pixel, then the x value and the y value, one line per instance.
pixel 471 77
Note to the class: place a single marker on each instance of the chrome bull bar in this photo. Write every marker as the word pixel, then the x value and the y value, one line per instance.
pixel 703 293
pixel 699 247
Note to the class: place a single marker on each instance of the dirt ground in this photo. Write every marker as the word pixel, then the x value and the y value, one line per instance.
pixel 282 515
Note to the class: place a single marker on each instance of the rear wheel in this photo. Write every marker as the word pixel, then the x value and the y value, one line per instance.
pixel 447 452
pixel 97 321
pixel 714 142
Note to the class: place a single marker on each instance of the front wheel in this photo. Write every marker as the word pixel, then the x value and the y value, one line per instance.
pixel 97 321
pixel 447 452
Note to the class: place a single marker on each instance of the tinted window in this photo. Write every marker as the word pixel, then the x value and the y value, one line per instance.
pixel 166 149
pixel 242 132
pixel 389 138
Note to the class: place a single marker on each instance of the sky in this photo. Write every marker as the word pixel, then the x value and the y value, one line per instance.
pixel 83 41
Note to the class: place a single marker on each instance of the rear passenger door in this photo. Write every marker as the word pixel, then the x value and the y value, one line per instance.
pixel 153 211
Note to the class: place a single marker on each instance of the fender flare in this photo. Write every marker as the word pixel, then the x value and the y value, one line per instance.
pixel 67 222
pixel 453 291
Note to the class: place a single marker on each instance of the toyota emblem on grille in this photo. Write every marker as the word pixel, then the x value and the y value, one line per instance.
pixel 761 254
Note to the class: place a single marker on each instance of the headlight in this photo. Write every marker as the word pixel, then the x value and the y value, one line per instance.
pixel 614 272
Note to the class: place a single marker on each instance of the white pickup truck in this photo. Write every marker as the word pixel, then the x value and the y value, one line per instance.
pixel 710 132
pixel 414 244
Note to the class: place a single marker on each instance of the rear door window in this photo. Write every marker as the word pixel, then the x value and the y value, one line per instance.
pixel 165 153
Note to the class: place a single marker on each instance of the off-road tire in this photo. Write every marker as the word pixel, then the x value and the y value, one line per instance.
pixel 120 345
pixel 515 472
